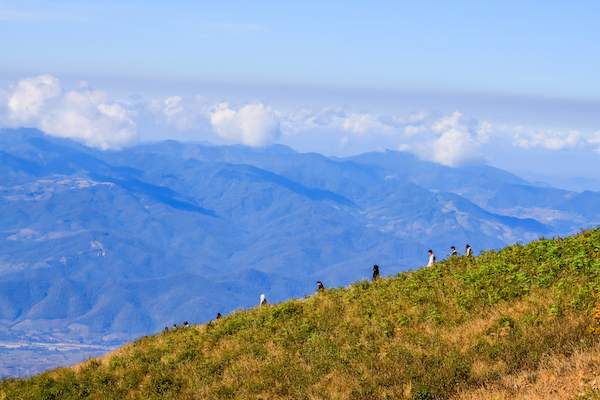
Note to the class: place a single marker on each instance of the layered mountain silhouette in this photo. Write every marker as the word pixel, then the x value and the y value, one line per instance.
pixel 110 245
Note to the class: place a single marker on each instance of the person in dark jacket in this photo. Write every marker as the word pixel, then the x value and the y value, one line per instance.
pixel 375 272
pixel 454 252
pixel 320 286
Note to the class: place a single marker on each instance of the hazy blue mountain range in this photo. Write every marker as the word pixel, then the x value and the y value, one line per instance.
pixel 103 246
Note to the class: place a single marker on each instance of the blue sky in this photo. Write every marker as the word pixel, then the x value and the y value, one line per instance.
pixel 512 83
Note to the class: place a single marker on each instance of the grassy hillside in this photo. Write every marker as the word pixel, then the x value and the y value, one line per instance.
pixel 507 323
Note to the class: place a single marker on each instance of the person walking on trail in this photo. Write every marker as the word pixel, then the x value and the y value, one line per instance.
pixel 218 317
pixel 454 252
pixel 320 286
pixel 468 251
pixel 431 259
pixel 263 300
pixel 375 273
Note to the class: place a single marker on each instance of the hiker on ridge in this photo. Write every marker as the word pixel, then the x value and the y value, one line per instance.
pixel 375 273
pixel 320 286
pixel 431 259
pixel 454 252
pixel 263 300
pixel 468 251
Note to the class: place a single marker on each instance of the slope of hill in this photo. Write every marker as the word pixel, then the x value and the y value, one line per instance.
pixel 514 323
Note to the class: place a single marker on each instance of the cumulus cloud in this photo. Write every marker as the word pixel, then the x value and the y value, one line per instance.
pixel 448 140
pixel 456 147
pixel 85 115
pixel 30 95
pixel 252 125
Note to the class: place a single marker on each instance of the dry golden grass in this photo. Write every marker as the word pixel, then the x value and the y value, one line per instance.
pixel 558 377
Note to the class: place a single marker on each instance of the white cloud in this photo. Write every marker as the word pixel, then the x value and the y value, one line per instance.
pixel 184 114
pixel 411 130
pixel 418 117
pixel 595 143
pixel 252 124
pixel 334 119
pixel 327 115
pixel 360 124
pixel 552 140
pixel 80 116
pixel 30 95
pixel 455 121
pixel 306 118
pixel 485 132
pixel 447 140
pixel 343 142
pixel 402 120
pixel 456 147
pixel 301 114
pixel 41 102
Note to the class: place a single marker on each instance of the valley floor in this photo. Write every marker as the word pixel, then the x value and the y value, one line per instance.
pixel 20 358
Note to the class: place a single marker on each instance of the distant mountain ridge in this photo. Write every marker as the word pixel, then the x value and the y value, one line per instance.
pixel 127 242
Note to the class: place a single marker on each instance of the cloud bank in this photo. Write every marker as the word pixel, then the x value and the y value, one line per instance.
pixel 84 115
pixel 87 115
pixel 552 140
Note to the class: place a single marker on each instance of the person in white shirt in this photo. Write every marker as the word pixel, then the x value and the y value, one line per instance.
pixel 431 259
pixel 468 251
